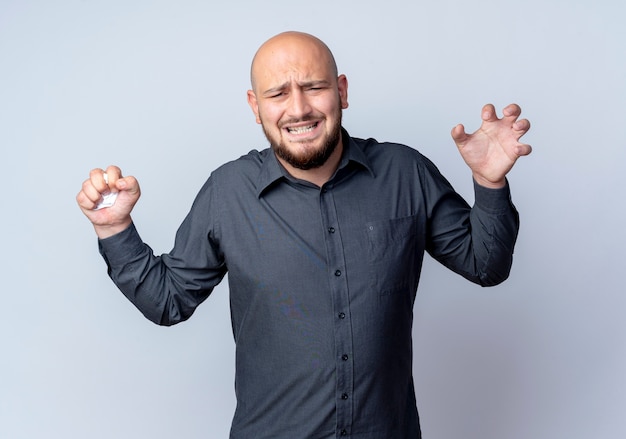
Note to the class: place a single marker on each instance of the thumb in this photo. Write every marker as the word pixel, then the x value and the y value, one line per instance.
pixel 459 135
pixel 129 192
pixel 128 184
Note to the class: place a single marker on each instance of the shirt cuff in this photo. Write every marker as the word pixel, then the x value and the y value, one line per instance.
pixel 121 247
pixel 494 201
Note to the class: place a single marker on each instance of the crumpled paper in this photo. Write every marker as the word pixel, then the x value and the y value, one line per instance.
pixel 108 198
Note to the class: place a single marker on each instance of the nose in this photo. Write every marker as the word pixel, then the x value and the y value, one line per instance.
pixel 298 104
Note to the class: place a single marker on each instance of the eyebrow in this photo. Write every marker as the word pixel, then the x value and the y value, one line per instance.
pixel 306 84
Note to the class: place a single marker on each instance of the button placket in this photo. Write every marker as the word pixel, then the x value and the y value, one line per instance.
pixel 341 304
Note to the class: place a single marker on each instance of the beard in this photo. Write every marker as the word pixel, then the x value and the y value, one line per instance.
pixel 313 158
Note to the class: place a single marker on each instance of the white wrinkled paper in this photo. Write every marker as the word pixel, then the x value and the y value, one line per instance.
pixel 108 198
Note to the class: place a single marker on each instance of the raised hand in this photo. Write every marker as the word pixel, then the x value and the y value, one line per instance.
pixel 109 220
pixel 492 150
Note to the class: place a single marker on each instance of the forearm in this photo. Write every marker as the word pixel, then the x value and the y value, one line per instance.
pixel 159 286
pixel 494 224
pixel 134 269
pixel 476 243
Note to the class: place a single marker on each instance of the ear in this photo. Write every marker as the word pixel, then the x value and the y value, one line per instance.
pixel 254 105
pixel 342 86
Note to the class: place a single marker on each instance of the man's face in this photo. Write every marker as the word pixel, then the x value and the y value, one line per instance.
pixel 298 99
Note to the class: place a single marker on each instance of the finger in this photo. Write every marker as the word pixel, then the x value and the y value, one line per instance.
pixel 89 194
pixel 512 111
pixel 522 125
pixel 489 113
pixel 522 149
pixel 96 177
pixel 84 202
pixel 113 175
pixel 458 134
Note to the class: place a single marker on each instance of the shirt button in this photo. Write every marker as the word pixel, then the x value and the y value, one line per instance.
pixel 343 433
pixel 344 357
pixel 331 230
pixel 344 396
pixel 342 315
pixel 338 273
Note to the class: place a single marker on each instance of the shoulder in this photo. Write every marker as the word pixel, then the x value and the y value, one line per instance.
pixel 235 177
pixel 243 172
pixel 384 154
pixel 250 163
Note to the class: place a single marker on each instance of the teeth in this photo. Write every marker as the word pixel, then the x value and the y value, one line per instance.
pixel 301 130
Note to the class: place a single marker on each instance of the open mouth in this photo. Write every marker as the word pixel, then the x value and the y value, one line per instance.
pixel 302 129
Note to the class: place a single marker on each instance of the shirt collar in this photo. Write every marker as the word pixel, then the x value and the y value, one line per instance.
pixel 271 170
pixel 353 152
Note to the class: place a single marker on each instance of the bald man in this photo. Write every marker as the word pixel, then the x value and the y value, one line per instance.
pixel 323 236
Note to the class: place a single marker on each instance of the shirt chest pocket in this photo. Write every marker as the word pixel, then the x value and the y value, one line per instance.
pixel 394 254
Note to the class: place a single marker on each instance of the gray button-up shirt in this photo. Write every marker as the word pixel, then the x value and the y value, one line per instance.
pixel 322 282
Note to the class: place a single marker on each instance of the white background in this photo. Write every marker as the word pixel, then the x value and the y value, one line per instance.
pixel 158 88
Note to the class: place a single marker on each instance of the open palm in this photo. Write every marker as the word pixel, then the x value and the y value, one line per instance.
pixel 493 149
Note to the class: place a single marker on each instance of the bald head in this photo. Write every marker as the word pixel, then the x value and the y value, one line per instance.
pixel 289 50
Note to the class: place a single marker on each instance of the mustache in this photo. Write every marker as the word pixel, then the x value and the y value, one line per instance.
pixel 308 118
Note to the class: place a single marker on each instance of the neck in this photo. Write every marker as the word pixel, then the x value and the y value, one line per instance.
pixel 320 175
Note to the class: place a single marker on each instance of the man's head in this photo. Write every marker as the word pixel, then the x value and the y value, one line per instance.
pixel 298 98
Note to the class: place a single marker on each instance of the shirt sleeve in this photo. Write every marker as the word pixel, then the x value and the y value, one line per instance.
pixel 476 242
pixel 168 288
